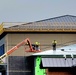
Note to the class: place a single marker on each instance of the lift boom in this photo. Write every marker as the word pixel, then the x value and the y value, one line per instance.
pixel 26 41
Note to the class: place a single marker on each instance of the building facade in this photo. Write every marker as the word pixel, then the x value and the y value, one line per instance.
pixel 62 29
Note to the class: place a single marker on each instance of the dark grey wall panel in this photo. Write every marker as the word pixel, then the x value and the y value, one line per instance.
pixel 20 65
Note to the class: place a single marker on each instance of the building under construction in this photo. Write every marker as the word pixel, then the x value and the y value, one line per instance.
pixel 20 59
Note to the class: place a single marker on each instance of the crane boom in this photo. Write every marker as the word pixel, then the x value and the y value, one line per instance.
pixel 16 47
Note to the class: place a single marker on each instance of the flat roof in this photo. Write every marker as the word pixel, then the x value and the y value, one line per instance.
pixel 67 50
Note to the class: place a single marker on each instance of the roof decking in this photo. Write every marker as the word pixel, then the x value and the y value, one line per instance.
pixel 66 23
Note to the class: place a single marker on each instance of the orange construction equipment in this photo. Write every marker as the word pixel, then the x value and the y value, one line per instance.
pixel 24 42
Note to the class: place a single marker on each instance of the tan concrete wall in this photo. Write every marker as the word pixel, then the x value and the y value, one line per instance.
pixel 44 39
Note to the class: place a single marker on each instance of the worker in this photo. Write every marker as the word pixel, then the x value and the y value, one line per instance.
pixel 37 45
pixel 54 42
pixel 33 46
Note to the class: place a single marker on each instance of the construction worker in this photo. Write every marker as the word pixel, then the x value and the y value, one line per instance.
pixel 33 46
pixel 54 42
pixel 37 45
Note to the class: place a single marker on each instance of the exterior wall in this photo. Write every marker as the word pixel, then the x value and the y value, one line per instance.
pixel 58 73
pixel 20 65
pixel 52 70
pixel 45 39
pixel 38 70
pixel 61 71
pixel 2 41
pixel 3 64
pixel 2 46
pixel 16 62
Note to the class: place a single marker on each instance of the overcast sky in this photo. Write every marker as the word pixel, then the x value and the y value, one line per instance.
pixel 35 10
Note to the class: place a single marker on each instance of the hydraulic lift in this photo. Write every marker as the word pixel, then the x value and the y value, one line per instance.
pixel 24 42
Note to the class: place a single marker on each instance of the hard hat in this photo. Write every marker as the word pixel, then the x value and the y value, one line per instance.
pixel 37 43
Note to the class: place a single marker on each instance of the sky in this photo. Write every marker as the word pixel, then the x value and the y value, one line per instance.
pixel 35 10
